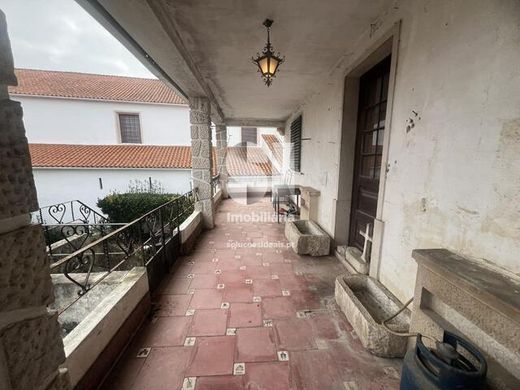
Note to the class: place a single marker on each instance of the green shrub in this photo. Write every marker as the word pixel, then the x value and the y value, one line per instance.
pixel 126 207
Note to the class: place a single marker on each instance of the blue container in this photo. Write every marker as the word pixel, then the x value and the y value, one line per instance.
pixel 444 367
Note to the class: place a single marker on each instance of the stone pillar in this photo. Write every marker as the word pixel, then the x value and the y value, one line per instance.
pixel 31 347
pixel 201 158
pixel 221 133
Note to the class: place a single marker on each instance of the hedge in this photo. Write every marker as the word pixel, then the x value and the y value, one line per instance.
pixel 126 207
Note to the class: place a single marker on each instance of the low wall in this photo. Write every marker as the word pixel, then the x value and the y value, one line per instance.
pixel 190 230
pixel 88 340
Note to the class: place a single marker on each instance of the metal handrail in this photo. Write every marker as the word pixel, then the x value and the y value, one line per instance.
pixel 147 235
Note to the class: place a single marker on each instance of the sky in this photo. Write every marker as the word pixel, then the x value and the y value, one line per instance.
pixel 60 35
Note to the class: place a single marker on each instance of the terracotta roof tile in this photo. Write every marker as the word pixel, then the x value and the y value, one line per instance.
pixel 274 145
pixel 241 161
pixel 93 86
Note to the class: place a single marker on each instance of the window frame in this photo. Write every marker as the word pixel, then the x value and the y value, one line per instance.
pixel 120 134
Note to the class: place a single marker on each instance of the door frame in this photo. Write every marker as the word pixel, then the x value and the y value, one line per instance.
pixel 387 44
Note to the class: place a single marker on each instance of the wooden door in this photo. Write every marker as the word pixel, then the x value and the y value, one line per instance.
pixel 373 93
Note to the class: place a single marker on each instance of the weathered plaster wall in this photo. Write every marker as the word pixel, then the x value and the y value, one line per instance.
pixel 454 179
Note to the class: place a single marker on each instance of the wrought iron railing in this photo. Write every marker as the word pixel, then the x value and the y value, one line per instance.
pixel 137 243
pixel 69 212
pixel 70 225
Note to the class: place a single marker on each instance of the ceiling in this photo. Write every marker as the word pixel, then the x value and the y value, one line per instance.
pixel 216 40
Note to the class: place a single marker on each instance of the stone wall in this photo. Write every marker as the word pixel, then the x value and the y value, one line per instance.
pixel 221 135
pixel 202 163
pixel 31 348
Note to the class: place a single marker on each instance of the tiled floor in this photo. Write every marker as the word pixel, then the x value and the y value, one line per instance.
pixel 238 314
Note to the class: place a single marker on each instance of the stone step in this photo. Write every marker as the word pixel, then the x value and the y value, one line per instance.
pixel 350 257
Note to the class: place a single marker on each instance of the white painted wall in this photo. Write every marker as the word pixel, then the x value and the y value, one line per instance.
pixel 74 121
pixel 60 185
pixel 454 180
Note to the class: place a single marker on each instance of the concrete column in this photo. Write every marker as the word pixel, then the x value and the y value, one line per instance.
pixel 31 347
pixel 221 133
pixel 201 158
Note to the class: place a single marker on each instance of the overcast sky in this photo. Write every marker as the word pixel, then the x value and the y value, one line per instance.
pixel 60 35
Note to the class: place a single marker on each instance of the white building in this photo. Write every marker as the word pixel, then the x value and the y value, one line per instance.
pixel 91 135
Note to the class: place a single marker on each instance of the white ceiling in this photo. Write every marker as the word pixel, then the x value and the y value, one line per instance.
pixel 222 35
pixel 219 37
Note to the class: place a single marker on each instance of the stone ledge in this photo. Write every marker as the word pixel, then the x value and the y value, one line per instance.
pixel 498 290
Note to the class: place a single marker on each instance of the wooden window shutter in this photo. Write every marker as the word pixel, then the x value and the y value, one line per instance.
pixel 296 141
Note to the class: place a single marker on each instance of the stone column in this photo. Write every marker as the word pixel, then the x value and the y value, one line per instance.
pixel 201 158
pixel 221 133
pixel 31 347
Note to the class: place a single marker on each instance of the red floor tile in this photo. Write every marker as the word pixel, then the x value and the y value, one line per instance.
pixel 282 269
pixel 220 383
pixel 293 282
pixel 278 307
pixel 232 277
pixel 213 356
pixel 172 305
pixel 206 299
pixel 183 269
pixel 204 267
pixel 268 376
pixel 163 369
pixel 305 300
pixel 295 334
pixel 174 285
pixel 258 272
pixel 324 326
pixel 267 288
pixel 201 281
pixel 255 345
pixel 166 332
pixel 238 293
pixel 209 323
pixel 245 315
pixel 315 370
pixel 229 265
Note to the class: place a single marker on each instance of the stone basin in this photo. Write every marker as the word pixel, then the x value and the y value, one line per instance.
pixel 366 303
pixel 307 238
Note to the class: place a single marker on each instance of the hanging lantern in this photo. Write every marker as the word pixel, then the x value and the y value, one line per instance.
pixel 268 62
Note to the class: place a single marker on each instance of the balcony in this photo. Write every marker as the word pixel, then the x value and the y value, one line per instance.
pixel 244 311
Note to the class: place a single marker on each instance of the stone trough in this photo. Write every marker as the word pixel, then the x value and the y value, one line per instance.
pixel 307 238
pixel 366 303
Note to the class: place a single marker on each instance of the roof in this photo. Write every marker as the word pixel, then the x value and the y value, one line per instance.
pixel 93 87
pixel 248 161
pixel 274 145
pixel 241 161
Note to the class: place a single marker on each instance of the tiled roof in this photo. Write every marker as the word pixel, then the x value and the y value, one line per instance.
pixel 274 145
pixel 248 161
pixel 241 161
pixel 93 86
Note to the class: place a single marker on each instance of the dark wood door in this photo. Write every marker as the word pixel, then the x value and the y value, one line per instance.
pixel 373 93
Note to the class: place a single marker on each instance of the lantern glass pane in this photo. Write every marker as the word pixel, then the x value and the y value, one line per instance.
pixel 263 63
pixel 273 65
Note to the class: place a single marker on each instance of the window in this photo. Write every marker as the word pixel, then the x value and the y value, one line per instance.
pixel 296 142
pixel 249 135
pixel 130 128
